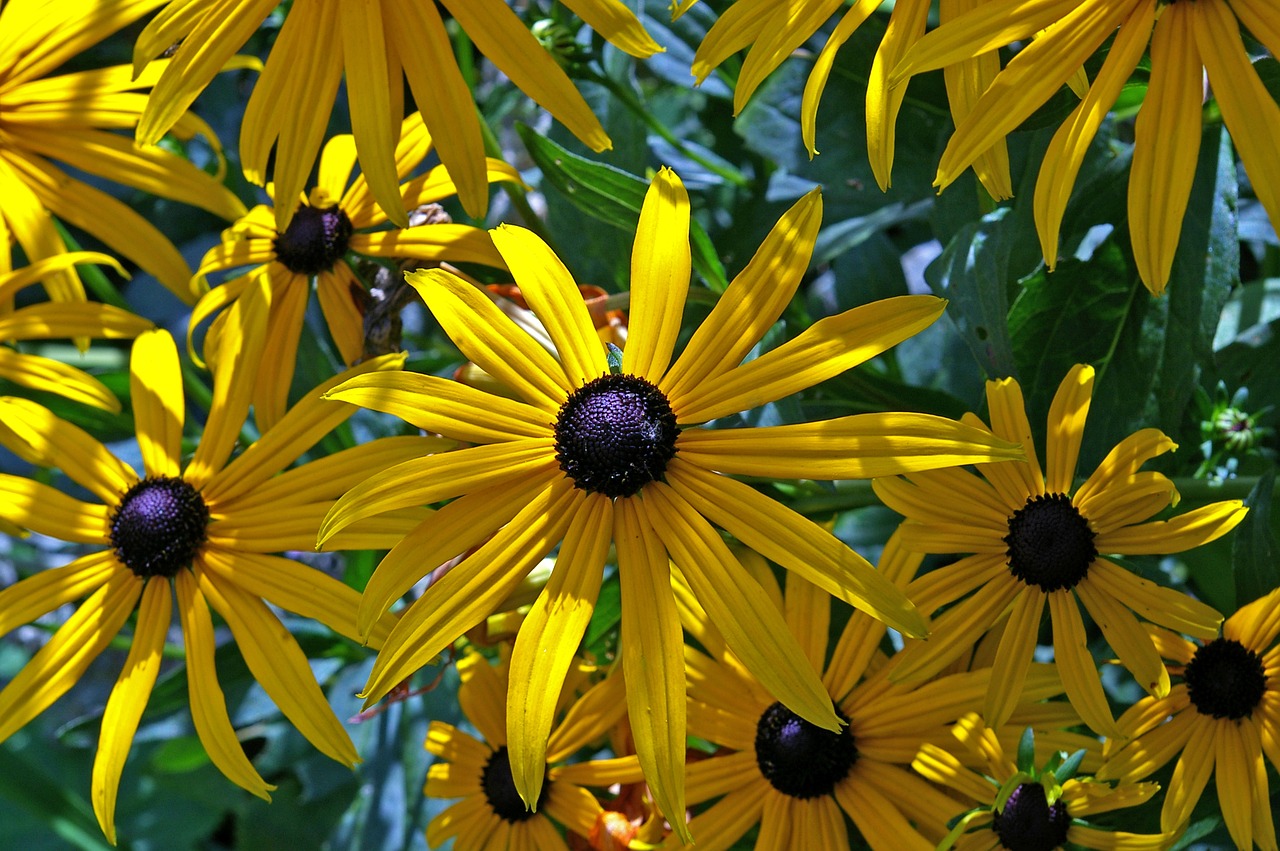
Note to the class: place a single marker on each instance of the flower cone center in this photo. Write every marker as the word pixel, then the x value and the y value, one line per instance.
pixel 799 759
pixel 500 789
pixel 159 526
pixel 1225 679
pixel 314 240
pixel 615 434
pixel 1029 823
pixel 1050 543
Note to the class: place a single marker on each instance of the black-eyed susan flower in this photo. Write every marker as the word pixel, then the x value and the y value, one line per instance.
pixel 55 319
pixel 204 531
pixel 71 119
pixel 774 31
pixel 375 46
pixel 334 220
pixel 491 813
pixel 1023 808
pixel 593 455
pixel 1035 538
pixel 1187 39
pixel 1222 718
pixel 793 779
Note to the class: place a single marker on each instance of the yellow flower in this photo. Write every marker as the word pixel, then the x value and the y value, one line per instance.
pixel 69 119
pixel 1025 809
pixel 774 769
pixel 375 45
pixel 59 319
pixel 1222 717
pixel 334 220
pixel 1035 538
pixel 1186 38
pixel 775 30
pixel 204 532
pixel 480 771
pixel 591 456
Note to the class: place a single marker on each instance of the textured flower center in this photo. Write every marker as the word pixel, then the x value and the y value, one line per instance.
pixel 314 240
pixel 799 759
pixel 1225 679
pixel 500 789
pixel 615 434
pixel 159 526
pixel 1029 823
pixel 1050 543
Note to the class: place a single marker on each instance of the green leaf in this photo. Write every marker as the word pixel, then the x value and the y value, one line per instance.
pixel 1069 768
pixel 1253 550
pixel 1027 752
pixel 612 196
pixel 24 783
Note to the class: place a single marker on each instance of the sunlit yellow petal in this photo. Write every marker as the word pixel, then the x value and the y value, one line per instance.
pixel 37 595
pixel 1076 666
pixel 617 24
pixel 128 698
pixel 1190 776
pixel 1157 603
pixel 1013 657
pixel 1173 536
pixel 789 28
pixel 1067 416
pixel 660 269
pixel 1127 637
pixel 955 632
pixel 35 433
pixel 735 29
pixel 155 390
pixel 817 80
pixel 1121 463
pixel 906 26
pixel 40 373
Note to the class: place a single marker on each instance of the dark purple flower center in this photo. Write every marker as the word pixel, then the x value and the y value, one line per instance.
pixel 800 759
pixel 1029 823
pixel 500 789
pixel 1050 543
pixel 314 240
pixel 159 526
pixel 1225 679
pixel 615 434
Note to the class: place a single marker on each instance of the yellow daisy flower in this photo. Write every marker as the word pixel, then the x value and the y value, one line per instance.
pixel 336 218
pixel 775 30
pixel 204 532
pixel 1036 538
pixel 1223 717
pixel 70 119
pixel 1187 40
pixel 491 813
pixel 1021 809
pixel 56 320
pixel 792 778
pixel 591 456
pixel 375 45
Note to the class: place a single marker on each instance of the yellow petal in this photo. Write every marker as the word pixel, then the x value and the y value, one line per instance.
pixel 41 373
pixel 825 349
pixel 1120 464
pixel 453 242
pixel 33 432
pixel 906 26
pixel 1127 637
pixel 589 717
pixel 1166 146
pixel 128 698
pixel 740 24
pixel 1076 666
pixel 279 665
pixel 1013 658
pixel 817 80
pixel 1067 415
pixel 12 282
pixel 617 24
pixel 491 340
pixel 788 28
pixel 1173 536
pixel 752 303
pixel 1190 775
pixel 660 269
pixel 37 595
pixel 159 404
pixel 856 447
pixel 752 626
pixel 553 296
pixel 1016 482
pixel 652 660
pixel 53 319
pixel 954 633
pixel 1157 603
pixel 548 642
pixel 289 296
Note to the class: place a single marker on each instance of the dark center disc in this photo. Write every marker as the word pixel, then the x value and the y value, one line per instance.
pixel 159 526
pixel 1050 543
pixel 315 240
pixel 800 759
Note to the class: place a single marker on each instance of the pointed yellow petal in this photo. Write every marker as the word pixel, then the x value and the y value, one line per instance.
pixel 1013 658
pixel 954 633
pixel 660 269
pixel 588 718
pixel 491 340
pixel 37 595
pixel 33 432
pixel 1158 604
pixel 752 626
pixel 1009 420
pixel 53 320
pixel 1127 637
pixel 1121 463
pixel 906 26
pixel 60 663
pixel 788 28
pixel 1076 666
pixel 470 591
pixel 752 303
pixel 1190 775
pixel 794 542
pixel 159 404
pixel 43 509
pixel 1166 146
pixel 825 349
pixel 617 24
pixel 1173 536
pixel 208 706
pixel 453 242
pixel 553 296
pixel 41 373
pixel 279 665
pixel 12 282
pixel 652 659
pixel 858 447
pixel 285 318
pixel 128 698
pixel 817 80
pixel 548 642
pixel 502 37
pixel 740 24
